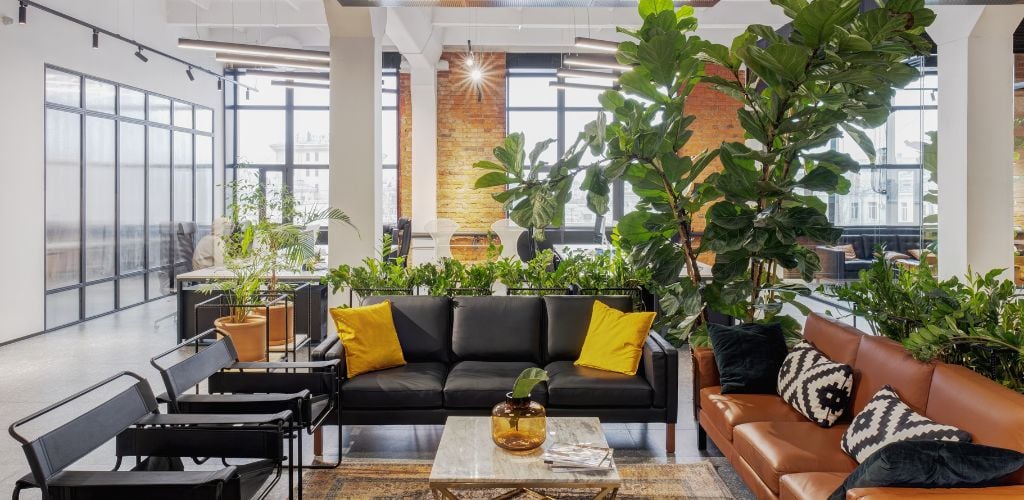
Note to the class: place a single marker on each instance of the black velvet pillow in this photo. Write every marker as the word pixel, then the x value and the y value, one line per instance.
pixel 748 357
pixel 932 464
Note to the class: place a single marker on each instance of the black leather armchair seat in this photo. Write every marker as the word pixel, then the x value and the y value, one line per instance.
pixel 464 354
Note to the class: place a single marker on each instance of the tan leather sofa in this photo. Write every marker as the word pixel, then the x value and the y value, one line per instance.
pixel 781 454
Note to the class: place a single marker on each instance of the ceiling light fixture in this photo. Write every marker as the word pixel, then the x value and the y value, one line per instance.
pixel 595 61
pixel 577 73
pixel 476 75
pixel 142 57
pixel 220 85
pixel 95 39
pixel 296 76
pixel 254 50
pixel 22 13
pixel 271 61
pixel 470 57
pixel 188 72
pixel 299 85
pixel 595 44
pixel 580 86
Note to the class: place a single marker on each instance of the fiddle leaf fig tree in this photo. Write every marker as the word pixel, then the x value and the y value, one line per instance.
pixel 835 72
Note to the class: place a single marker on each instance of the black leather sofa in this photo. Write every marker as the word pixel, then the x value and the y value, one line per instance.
pixel 835 265
pixel 464 353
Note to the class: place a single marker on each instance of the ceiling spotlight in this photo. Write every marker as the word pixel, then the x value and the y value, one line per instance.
pixel 188 72
pixel 470 57
pixel 95 39
pixel 247 94
pixel 593 61
pixel 476 75
pixel 220 84
pixel 272 61
pixel 254 50
pixel 22 13
pixel 142 57
pixel 576 73
pixel 595 44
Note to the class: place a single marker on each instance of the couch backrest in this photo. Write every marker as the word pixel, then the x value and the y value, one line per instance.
pixel 882 361
pixel 856 241
pixel 833 338
pixel 568 318
pixel 497 328
pixel 424 325
pixel 993 414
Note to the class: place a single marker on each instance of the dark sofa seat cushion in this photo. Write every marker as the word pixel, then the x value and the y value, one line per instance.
pixel 423 325
pixel 415 385
pixel 856 265
pixel 569 319
pixel 497 329
pixel 579 386
pixel 483 384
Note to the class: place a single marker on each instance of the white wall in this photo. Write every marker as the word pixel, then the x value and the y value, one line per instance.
pixel 46 39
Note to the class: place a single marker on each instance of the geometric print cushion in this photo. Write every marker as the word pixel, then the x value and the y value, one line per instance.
pixel 815 386
pixel 887 419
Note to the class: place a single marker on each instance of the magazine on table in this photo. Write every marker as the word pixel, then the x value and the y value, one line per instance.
pixel 564 457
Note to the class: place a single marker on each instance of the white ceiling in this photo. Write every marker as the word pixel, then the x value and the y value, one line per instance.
pixel 303 24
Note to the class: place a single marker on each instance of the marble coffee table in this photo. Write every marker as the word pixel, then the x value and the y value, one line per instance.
pixel 468 459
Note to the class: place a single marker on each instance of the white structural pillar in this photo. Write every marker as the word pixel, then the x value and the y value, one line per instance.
pixel 355 155
pixel 975 153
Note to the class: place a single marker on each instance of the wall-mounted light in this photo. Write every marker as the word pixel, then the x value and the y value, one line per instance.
pixel 95 39
pixel 576 73
pixel 595 61
pixel 272 61
pixel 254 50
pixel 595 44
pixel 142 57
pixel 22 13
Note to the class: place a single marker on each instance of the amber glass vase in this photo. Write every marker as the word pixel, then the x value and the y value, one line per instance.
pixel 518 424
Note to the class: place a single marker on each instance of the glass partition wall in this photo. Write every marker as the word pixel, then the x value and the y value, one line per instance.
pixel 123 168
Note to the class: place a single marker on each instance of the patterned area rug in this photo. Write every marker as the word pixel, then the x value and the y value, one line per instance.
pixel 379 480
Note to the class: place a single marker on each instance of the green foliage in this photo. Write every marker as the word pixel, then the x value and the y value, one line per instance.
pixel 836 71
pixel 375 273
pixel 248 270
pixel 527 380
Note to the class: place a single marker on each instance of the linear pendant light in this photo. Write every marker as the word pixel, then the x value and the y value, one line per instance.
pixel 580 86
pixel 300 85
pixel 254 50
pixel 593 43
pixel 576 73
pixel 595 61
pixel 296 76
pixel 271 61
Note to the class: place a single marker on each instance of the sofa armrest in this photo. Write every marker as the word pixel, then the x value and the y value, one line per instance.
pixel 329 350
pixel 889 493
pixel 832 262
pixel 661 369
pixel 705 373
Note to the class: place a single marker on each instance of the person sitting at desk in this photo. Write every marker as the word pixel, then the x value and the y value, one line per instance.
pixel 210 249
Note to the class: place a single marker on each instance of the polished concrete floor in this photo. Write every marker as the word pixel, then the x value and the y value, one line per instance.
pixel 44 369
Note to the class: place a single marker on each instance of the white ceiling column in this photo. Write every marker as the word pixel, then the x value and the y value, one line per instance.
pixel 975 153
pixel 355 154
pixel 413 33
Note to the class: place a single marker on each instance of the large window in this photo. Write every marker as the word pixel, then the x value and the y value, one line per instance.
pixel 542 112
pixel 123 168
pixel 282 139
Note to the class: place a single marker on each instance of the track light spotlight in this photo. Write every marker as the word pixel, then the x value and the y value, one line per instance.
pixel 188 72
pixel 22 13
pixel 220 84
pixel 246 94
pixel 95 39
pixel 142 57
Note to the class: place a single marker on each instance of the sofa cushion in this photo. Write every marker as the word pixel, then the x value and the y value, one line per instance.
pixel 1003 492
pixel 852 267
pixel 809 485
pixel 856 241
pixel 415 385
pixel 568 318
pixel 730 410
pixel 483 384
pixel 872 241
pixel 880 362
pixel 424 325
pixel 615 339
pixel 908 242
pixel 835 339
pixel 993 414
pixel 497 329
pixel 815 386
pixel 580 386
pixel 774 449
pixel 748 356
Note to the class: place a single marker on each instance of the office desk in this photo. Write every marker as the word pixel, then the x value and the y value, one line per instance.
pixel 310 302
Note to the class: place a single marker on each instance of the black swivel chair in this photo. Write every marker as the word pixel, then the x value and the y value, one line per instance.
pixel 237 387
pixel 132 417
pixel 401 238
pixel 528 248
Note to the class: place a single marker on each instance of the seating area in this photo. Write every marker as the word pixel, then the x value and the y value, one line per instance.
pixel 363 249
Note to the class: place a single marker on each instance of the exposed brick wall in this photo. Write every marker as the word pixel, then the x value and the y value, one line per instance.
pixel 1018 131
pixel 468 129
pixel 404 146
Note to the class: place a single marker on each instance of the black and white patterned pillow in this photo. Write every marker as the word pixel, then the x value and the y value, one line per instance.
pixel 814 385
pixel 887 419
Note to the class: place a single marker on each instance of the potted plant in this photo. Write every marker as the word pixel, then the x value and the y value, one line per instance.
pixel 248 330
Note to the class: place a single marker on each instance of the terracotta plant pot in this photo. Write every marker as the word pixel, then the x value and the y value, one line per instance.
pixel 249 336
pixel 279 318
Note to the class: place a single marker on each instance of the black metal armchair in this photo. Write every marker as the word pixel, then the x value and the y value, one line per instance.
pixel 236 387
pixel 132 418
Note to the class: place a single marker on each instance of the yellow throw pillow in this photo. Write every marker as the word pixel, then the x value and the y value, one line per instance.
pixel 615 340
pixel 369 337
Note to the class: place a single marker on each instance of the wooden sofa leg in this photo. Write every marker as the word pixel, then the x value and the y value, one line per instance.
pixel 318 442
pixel 670 438
pixel 702 438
